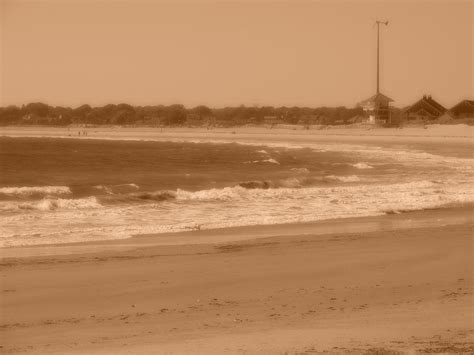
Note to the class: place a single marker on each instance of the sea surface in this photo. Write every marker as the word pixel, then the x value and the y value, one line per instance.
pixel 55 190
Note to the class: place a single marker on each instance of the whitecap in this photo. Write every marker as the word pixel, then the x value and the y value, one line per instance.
pixel 362 166
pixel 49 204
pixel 270 160
pixel 350 178
pixel 27 191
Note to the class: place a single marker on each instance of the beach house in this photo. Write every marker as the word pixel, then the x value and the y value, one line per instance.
pixel 377 109
pixel 464 109
pixel 424 109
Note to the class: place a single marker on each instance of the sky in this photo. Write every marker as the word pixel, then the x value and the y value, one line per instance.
pixel 228 53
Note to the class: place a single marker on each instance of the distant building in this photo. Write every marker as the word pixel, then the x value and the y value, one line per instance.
pixel 446 117
pixel 464 109
pixel 424 109
pixel 377 108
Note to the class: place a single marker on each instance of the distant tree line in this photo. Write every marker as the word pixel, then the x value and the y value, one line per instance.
pixel 38 113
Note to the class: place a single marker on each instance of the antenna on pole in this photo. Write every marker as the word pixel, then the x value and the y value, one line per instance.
pixel 378 23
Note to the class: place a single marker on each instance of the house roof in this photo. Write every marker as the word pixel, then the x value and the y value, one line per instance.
pixel 427 104
pixel 446 116
pixel 379 97
pixel 465 106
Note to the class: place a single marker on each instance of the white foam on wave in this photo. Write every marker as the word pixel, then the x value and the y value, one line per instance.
pixel 269 160
pixel 362 166
pixel 111 189
pixel 291 182
pixel 132 185
pixel 49 204
pixel 350 178
pixel 26 191
pixel 227 207
pixel 234 206
pixel 240 193
pixel 104 188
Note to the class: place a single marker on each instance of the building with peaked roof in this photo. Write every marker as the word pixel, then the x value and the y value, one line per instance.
pixel 377 108
pixel 424 109
pixel 464 109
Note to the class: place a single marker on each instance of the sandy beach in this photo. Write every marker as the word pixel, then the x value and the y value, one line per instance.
pixel 389 290
pixel 236 177
pixel 377 285
pixel 426 135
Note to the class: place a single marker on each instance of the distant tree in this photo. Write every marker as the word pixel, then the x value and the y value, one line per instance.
pixel 9 115
pixel 202 111
pixel 37 109
pixel 174 115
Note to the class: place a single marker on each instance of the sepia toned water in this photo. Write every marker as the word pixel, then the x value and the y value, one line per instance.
pixel 56 190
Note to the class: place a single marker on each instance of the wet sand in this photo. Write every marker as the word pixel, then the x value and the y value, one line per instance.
pixel 396 289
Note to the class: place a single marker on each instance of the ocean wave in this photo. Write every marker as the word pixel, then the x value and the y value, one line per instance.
pixel 104 188
pixel 49 204
pixel 154 196
pixel 255 184
pixel 226 207
pixel 294 182
pixel 362 166
pixel 301 181
pixel 32 191
pixel 300 170
pixel 269 160
pixel 138 197
pixel 119 188
pixel 256 194
pixel 350 178
pixel 132 185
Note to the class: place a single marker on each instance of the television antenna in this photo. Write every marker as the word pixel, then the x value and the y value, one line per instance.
pixel 378 23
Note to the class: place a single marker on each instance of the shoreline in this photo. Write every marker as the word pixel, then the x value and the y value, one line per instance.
pixel 445 146
pixel 449 141
pixel 378 284
pixel 406 220
pixel 291 292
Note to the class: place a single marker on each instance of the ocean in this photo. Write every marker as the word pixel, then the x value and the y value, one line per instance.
pixel 59 190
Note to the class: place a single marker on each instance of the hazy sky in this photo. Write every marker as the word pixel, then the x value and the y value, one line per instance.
pixel 230 53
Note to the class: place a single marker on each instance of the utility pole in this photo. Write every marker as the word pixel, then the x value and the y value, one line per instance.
pixel 378 50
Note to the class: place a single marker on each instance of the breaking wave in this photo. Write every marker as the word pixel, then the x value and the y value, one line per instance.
pixel 362 166
pixel 60 203
pixel 34 191
pixel 269 161
pixel 120 188
pixel 137 197
pixel 218 208
pixel 255 184
pixel 351 178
